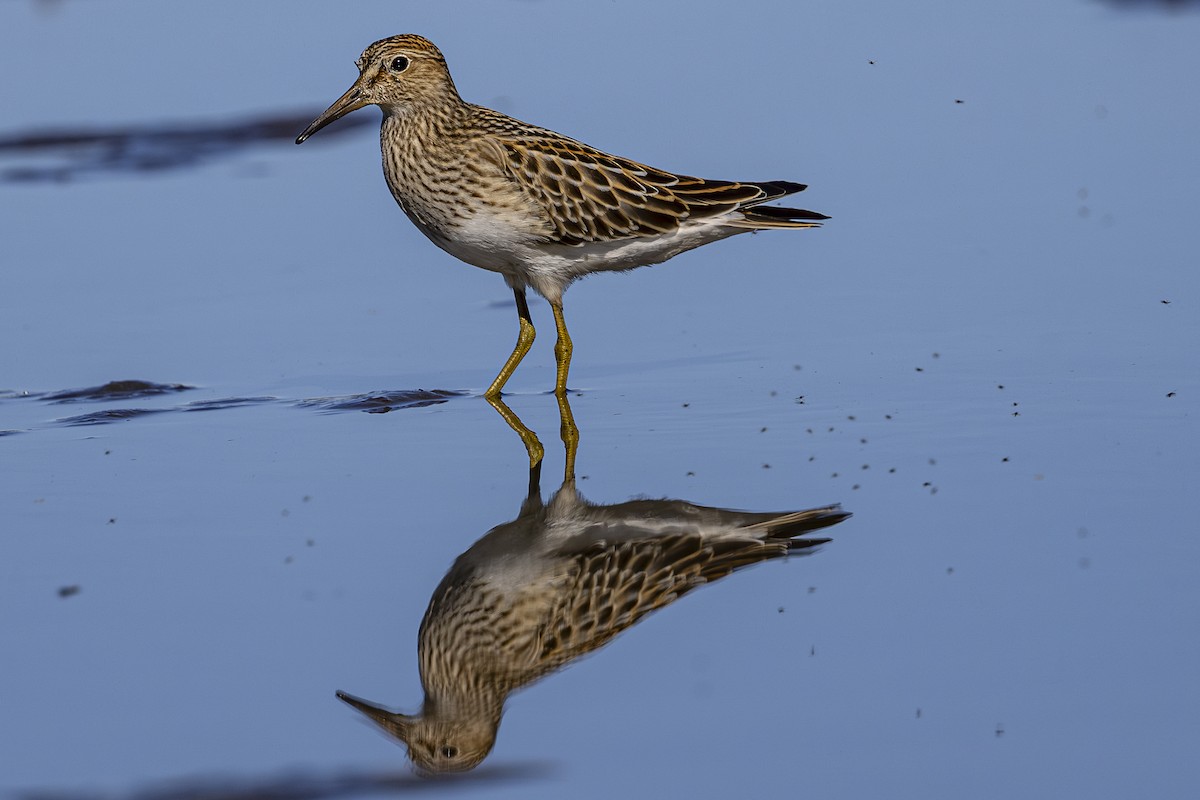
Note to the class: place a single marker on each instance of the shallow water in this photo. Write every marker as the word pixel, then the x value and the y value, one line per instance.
pixel 988 356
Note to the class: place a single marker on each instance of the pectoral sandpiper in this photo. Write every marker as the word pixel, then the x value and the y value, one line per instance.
pixel 558 582
pixel 541 209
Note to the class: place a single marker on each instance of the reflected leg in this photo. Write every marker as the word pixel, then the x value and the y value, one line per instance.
pixel 524 342
pixel 570 437
pixel 562 350
pixel 532 445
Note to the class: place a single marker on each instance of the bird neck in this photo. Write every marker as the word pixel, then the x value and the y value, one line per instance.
pixel 461 704
pixel 424 122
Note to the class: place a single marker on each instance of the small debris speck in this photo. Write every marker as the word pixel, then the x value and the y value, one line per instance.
pixel 68 591
pixel 920 369
pixel 112 520
pixel 1165 302
pixel 960 102
pixel 685 405
pixel 691 474
pixel 999 729
pixel 781 609
pixel 762 430
pixel 1170 394
pixel 766 466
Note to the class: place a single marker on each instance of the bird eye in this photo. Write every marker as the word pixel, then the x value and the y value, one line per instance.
pixel 399 64
pixel 449 752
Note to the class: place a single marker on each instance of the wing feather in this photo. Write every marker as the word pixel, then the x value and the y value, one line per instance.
pixel 612 586
pixel 588 196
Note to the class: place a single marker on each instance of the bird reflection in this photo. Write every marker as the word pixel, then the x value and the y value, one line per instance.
pixel 557 582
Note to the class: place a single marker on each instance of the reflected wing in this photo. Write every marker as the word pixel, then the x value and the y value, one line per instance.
pixel 616 580
pixel 612 586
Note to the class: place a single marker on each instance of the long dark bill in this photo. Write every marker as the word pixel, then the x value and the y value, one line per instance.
pixel 352 100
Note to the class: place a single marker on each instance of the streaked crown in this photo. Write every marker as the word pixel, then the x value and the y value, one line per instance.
pixel 403 70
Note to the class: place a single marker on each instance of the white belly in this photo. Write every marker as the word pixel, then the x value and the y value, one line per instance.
pixel 491 244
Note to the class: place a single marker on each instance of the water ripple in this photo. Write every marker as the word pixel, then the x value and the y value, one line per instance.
pixel 378 402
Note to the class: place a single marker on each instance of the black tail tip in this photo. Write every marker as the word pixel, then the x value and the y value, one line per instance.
pixel 783 187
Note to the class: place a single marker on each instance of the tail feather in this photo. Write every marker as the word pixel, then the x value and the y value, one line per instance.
pixel 760 216
pixel 798 523
pixel 777 217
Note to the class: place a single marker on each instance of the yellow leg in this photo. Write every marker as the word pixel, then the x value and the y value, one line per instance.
pixel 562 351
pixel 570 437
pixel 532 445
pixel 568 431
pixel 524 342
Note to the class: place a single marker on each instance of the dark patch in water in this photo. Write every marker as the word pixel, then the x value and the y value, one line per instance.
pixel 115 390
pixel 65 154
pixel 1160 5
pixel 372 402
pixel 110 415
pixel 383 402
pixel 332 785
pixel 228 402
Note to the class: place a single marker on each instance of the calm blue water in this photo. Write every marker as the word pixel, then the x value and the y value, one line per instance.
pixel 989 356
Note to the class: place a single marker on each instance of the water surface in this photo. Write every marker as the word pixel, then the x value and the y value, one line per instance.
pixel 988 355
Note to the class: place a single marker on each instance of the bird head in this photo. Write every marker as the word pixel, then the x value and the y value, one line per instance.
pixel 435 745
pixel 399 73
